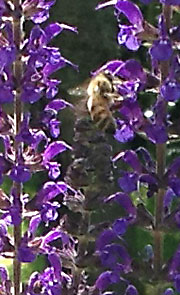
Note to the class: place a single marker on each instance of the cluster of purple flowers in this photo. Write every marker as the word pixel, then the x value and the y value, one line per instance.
pixel 160 180
pixel 26 66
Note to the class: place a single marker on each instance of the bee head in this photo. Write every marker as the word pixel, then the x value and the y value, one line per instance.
pixel 104 84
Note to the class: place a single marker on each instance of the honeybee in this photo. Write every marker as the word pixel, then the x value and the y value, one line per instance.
pixel 101 95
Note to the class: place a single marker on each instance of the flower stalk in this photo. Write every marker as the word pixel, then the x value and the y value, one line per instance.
pixel 17 28
pixel 161 167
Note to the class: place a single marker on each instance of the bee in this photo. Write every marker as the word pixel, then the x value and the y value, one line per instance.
pixel 101 96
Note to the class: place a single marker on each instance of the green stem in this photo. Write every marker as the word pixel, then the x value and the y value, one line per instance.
pixel 18 113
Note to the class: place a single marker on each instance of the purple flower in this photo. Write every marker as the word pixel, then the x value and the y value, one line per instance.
pixel 127 33
pixel 6 93
pixel 54 170
pixel 130 158
pixel 33 224
pixel 131 290
pixel 125 201
pixel 25 254
pixel 2 7
pixel 174 184
pixel 54 149
pixel 151 181
pixel 5 285
pixel 30 93
pixel 15 209
pixel 131 111
pixel 49 212
pixel 161 50
pixel 37 10
pixel 124 133
pixel 120 226
pixel 105 279
pixel 170 2
pixel 53 30
pixel 156 133
pixel 168 291
pixel 25 135
pixel 20 173
pixel 146 159
pixel 46 280
pixel 54 128
pixel 170 90
pixel 48 192
pixel 167 200
pixel 113 255
pixel 128 182
pixel 177 282
pixel 174 268
pixel 57 105
pixel 106 237
pixel 56 264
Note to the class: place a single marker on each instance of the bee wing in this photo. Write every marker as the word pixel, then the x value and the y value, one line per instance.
pixel 77 91
pixel 80 90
